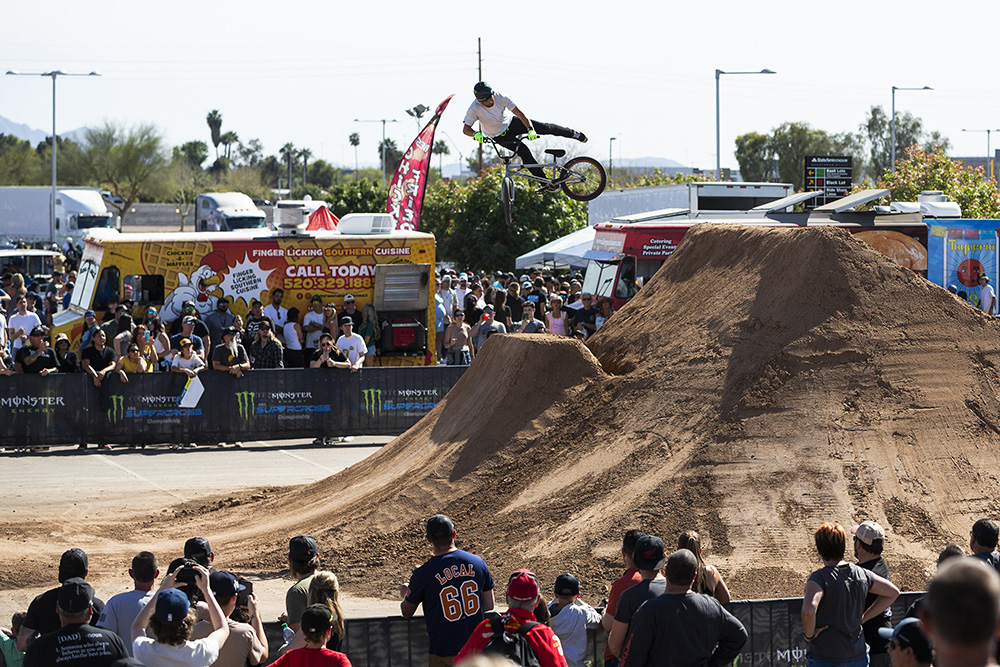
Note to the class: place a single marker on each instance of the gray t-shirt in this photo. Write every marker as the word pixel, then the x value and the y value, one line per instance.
pixel 844 589
pixel 631 599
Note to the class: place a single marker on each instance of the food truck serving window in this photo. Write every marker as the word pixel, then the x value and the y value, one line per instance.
pixel 144 288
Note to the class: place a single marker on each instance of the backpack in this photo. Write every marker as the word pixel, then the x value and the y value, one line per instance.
pixel 512 646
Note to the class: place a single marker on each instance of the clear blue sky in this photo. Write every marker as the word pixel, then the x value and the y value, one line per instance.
pixel 302 71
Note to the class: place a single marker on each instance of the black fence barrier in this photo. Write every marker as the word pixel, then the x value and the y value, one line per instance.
pixel 774 628
pixel 263 404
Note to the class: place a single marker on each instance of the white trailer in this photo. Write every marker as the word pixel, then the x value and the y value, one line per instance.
pixel 695 197
pixel 25 214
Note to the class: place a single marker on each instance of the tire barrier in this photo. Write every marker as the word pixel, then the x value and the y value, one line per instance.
pixel 263 404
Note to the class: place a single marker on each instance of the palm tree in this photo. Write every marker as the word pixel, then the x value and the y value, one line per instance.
pixel 440 148
pixel 227 140
pixel 355 140
pixel 288 151
pixel 305 154
pixel 214 120
pixel 390 156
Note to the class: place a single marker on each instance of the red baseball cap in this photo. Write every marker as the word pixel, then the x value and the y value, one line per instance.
pixel 523 586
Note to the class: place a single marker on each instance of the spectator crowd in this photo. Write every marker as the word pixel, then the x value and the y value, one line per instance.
pixel 666 609
pixel 472 307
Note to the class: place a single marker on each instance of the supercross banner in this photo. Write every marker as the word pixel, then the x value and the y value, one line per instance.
pixel 406 190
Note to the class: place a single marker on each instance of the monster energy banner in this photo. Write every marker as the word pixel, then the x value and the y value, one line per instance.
pixel 64 408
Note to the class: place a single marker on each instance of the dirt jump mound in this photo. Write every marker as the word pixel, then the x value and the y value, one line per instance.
pixel 763 382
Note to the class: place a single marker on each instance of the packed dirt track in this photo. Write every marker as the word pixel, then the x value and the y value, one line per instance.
pixel 763 382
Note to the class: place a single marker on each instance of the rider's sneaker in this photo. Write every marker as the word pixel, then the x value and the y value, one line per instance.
pixel 580 136
pixel 550 187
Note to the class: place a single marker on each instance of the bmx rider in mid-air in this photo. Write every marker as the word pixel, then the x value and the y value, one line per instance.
pixel 501 120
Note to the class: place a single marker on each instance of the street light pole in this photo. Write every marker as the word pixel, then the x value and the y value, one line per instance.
pixel 382 152
pixel 718 142
pixel 418 112
pixel 611 160
pixel 54 74
pixel 893 149
pixel 989 155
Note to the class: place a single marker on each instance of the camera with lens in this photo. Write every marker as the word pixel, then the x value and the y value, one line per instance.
pixel 187 578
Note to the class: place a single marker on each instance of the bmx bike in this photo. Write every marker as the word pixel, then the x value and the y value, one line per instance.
pixel 581 178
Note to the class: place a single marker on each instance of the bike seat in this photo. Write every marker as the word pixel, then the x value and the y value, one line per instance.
pixel 555 152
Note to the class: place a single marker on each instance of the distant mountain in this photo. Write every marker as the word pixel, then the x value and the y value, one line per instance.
pixel 660 162
pixel 34 136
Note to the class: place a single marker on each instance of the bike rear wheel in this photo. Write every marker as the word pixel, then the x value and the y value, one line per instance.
pixel 507 196
pixel 586 180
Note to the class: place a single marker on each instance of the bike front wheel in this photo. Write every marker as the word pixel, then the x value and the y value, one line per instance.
pixel 586 180
pixel 507 196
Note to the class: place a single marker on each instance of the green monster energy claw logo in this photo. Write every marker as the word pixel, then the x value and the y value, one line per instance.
pixel 245 399
pixel 117 410
pixel 373 401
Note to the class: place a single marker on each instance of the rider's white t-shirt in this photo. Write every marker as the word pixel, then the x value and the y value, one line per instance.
pixel 494 120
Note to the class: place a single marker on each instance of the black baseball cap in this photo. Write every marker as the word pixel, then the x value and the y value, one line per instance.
pixel 649 553
pixel 346 319
pixel 75 595
pixel 316 299
pixel 302 548
pixel 317 618
pixel 73 564
pixel 197 547
pixel 187 304
pixel 224 585
pixel 439 526
pixel 567 584
pixel 909 635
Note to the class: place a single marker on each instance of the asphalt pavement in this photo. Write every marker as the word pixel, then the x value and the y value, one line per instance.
pixel 63 481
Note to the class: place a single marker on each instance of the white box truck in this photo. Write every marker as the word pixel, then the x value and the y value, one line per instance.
pixel 25 214
pixel 226 212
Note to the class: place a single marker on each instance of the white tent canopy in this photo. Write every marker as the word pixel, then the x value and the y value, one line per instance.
pixel 565 251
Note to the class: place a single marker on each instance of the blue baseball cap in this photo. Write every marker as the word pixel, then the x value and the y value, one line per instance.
pixel 172 606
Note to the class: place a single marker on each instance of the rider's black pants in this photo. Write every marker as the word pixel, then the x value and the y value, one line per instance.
pixel 509 140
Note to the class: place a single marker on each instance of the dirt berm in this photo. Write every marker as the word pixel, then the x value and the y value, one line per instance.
pixel 763 382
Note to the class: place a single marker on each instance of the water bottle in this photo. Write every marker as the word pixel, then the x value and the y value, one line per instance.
pixel 287 632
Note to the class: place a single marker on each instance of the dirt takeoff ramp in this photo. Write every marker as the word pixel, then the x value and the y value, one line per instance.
pixel 763 382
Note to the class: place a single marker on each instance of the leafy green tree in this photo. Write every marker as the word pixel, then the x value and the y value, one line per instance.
pixel 250 154
pixel 271 170
pixel 921 170
pixel 755 156
pixel 366 196
pixel 193 152
pixel 19 164
pixel 123 160
pixel 247 181
pixel 214 120
pixel 323 174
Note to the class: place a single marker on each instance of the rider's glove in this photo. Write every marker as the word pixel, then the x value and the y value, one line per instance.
pixel 532 135
pixel 479 136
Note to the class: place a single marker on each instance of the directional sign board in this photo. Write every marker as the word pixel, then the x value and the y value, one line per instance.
pixel 829 174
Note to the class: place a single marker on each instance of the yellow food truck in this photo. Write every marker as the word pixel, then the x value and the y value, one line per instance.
pixel 366 258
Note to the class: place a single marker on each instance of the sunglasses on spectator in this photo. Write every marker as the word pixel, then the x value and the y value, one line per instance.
pixel 326 345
